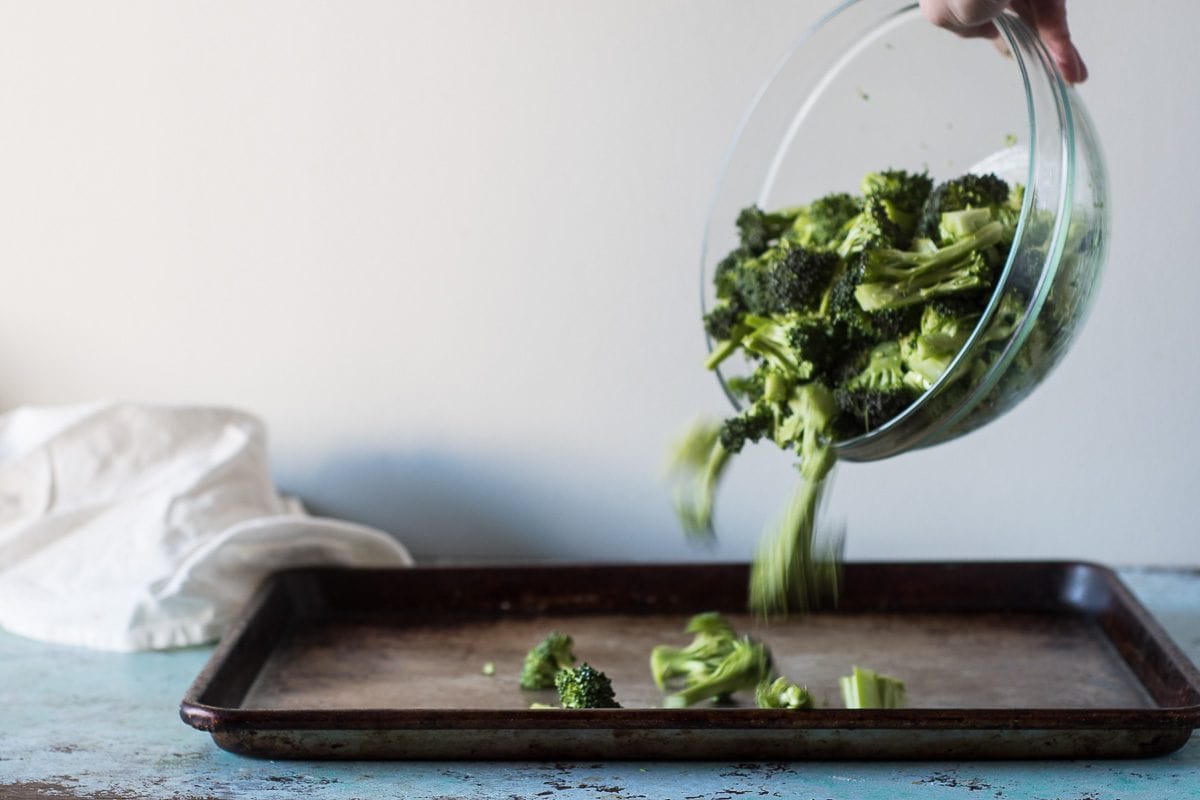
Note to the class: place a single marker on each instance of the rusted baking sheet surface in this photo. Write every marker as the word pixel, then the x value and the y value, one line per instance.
pixel 1001 660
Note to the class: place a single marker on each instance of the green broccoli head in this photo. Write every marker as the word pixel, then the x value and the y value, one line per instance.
pixel 873 227
pixel 722 322
pixel 783 279
pixel 876 394
pixel 859 326
pixel 822 224
pixel 758 229
pixel 750 426
pixel 966 191
pixel 585 687
pixel 545 660
pixel 908 191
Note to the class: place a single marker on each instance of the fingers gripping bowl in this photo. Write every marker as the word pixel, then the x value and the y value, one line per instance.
pixel 873 85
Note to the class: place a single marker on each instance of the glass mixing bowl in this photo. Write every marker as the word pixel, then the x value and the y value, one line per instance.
pixel 874 86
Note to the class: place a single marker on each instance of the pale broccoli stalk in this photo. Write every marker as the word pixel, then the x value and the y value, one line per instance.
pixel 545 660
pixel 866 688
pixel 782 693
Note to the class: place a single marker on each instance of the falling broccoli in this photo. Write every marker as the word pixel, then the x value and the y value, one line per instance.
pixel 545 660
pixel 846 310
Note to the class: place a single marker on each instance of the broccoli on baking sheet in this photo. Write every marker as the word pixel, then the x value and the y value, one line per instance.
pixel 866 688
pixel 584 687
pixel 713 666
pixel 845 310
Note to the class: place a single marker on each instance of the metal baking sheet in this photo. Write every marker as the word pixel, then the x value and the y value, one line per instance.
pixel 1001 660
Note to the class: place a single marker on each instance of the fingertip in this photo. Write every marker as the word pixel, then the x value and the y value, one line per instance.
pixel 1071 64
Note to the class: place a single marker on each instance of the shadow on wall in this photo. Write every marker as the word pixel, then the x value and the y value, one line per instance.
pixel 443 507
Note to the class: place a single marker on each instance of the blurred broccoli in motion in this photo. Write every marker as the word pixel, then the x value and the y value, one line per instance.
pixel 545 660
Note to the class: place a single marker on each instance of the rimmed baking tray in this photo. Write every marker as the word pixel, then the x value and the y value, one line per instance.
pixel 1001 660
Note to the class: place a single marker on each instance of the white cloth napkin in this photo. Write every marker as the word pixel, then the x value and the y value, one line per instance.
pixel 132 527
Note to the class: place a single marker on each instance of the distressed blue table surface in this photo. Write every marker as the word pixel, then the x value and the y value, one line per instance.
pixel 76 723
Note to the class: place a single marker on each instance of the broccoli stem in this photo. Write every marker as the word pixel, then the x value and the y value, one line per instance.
pixel 866 688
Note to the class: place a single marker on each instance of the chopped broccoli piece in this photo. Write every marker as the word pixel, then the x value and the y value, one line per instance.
pixel 747 664
pixel 966 191
pixel 896 278
pixel 584 687
pixel 758 229
pixel 877 393
pixel 545 660
pixel 822 224
pixel 873 227
pixel 782 693
pixel 865 688
pixel 713 641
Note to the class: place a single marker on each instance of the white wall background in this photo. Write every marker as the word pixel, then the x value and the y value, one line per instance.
pixel 448 251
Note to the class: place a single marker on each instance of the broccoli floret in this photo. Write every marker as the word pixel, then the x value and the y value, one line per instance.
pixel 822 224
pixel 967 191
pixel 927 353
pixel 865 688
pixel 750 426
pixel 697 464
pixel 585 687
pixel 544 661
pixel 712 642
pixel 783 279
pixel 907 190
pixel 902 195
pixel 872 227
pixel 758 229
pixel 858 325
pixel 878 392
pixel 747 664
pixel 722 322
pixel 782 693
pixel 726 270
pixel 897 278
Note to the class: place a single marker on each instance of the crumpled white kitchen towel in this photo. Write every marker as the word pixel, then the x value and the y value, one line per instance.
pixel 132 527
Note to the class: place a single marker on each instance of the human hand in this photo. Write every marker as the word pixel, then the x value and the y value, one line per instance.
pixel 1047 17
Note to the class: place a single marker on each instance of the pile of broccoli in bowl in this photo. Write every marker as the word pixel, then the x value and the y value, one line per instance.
pixel 898 318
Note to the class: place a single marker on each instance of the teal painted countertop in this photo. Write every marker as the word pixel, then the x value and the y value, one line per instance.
pixel 78 723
